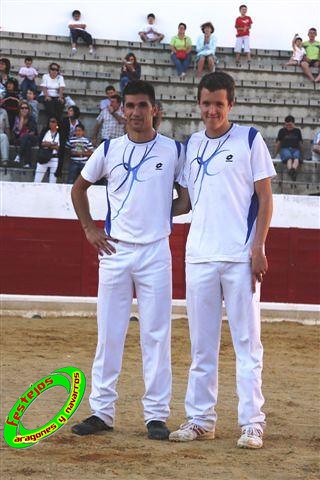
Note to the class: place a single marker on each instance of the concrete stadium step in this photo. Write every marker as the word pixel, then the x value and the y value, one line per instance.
pixel 153 66
pixel 60 46
pixel 295 188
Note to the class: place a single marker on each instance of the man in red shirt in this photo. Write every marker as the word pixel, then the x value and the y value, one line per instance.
pixel 243 25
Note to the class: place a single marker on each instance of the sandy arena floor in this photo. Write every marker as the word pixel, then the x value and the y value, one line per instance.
pixel 33 348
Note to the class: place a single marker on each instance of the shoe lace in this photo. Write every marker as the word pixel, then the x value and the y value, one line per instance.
pixel 193 426
pixel 252 432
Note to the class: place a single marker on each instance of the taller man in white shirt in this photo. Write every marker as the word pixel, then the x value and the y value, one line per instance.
pixel 227 174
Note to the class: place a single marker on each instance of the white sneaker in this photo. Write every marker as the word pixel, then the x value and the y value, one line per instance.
pixel 73 51
pixel 251 437
pixel 91 51
pixel 182 75
pixel 190 431
pixel 17 159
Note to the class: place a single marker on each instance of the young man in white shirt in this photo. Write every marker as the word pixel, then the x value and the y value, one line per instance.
pixel 227 175
pixel 149 32
pixel 78 30
pixel 141 168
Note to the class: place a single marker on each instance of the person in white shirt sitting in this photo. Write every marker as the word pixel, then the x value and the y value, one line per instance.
pixel 149 32
pixel 78 30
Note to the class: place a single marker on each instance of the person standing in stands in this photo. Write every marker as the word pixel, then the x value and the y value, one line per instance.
pixel 243 26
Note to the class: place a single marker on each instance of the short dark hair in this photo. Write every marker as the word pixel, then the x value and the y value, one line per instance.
pixel 183 24
pixel 117 96
pixel 241 6
pixel 140 86
pixel 289 119
pixel 56 64
pixel 7 63
pixel 151 15
pixel 217 81
pixel 76 12
pixel 14 81
pixel 313 29
pixel 80 125
pixel 109 88
pixel 76 110
pixel 28 59
pixel 207 24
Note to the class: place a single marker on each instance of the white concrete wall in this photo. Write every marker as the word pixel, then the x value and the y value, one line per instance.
pixel 39 200
pixel 275 22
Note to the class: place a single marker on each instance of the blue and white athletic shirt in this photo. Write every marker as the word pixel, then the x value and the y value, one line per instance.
pixel 140 178
pixel 220 174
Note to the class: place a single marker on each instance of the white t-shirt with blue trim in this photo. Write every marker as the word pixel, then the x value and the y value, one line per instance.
pixel 140 178
pixel 220 174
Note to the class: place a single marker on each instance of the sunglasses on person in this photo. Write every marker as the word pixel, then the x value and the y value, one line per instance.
pixel 24 108
pixel 54 69
pixel 52 121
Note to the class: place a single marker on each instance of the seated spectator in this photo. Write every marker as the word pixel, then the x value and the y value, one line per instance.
pixel 111 121
pixel 289 142
pixel 34 104
pixel 181 46
pixel 316 147
pixel 243 26
pixel 53 87
pixel 130 70
pixel 206 48
pixel 11 99
pixel 80 149
pixel 49 138
pixel 25 133
pixel 68 128
pixel 312 57
pixel 4 137
pixel 298 52
pixel 5 66
pixel 149 32
pixel 28 74
pixel 105 102
pixel 78 30
pixel 157 119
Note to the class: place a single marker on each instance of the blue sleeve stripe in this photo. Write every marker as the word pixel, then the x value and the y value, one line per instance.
pixel 252 135
pixel 106 146
pixel 107 224
pixel 252 214
pixel 178 145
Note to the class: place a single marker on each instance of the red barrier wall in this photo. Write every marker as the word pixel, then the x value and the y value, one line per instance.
pixel 52 257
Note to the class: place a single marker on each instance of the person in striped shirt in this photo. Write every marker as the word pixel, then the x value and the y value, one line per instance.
pixel 80 148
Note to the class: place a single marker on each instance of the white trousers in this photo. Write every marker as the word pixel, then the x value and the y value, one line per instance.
pixel 42 169
pixel 4 147
pixel 147 268
pixel 207 285
pixel 242 41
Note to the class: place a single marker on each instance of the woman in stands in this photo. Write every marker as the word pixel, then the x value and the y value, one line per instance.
pixel 68 127
pixel 53 87
pixel 206 48
pixel 49 139
pixel 181 46
pixel 130 70
pixel 4 74
pixel 25 134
